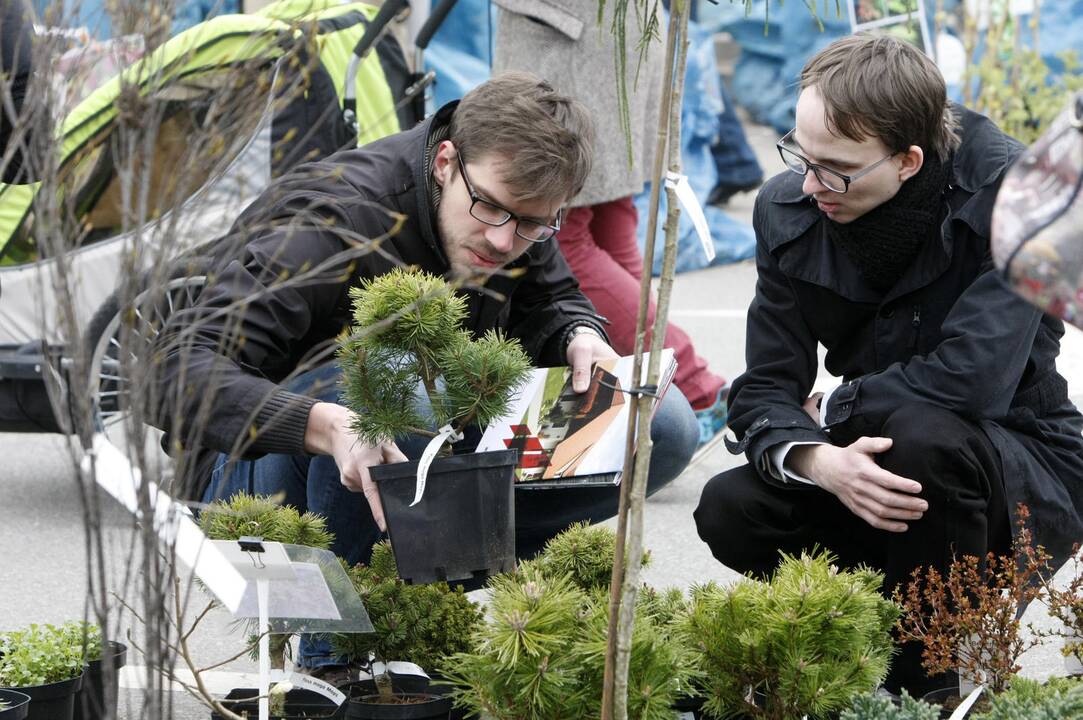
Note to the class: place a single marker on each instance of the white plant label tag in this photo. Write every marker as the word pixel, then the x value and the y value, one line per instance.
pixel 445 434
pixel 965 705
pixel 307 682
pixel 687 197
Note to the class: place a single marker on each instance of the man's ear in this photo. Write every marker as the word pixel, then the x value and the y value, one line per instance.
pixel 443 163
pixel 912 160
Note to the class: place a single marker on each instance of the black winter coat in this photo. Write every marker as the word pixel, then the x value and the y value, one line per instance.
pixel 949 333
pixel 346 199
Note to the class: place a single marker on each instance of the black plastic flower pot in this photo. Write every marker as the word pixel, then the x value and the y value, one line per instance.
pixel 15 705
pixel 948 698
pixel 464 526
pixel 363 705
pixel 89 702
pixel 300 705
pixel 55 701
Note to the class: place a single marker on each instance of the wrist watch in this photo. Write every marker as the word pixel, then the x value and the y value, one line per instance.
pixel 582 330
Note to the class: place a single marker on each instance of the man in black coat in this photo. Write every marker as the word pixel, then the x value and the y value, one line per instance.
pixel 875 244
pixel 247 383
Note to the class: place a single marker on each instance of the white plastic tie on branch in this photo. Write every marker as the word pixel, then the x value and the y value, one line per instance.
pixel 446 434
pixel 687 197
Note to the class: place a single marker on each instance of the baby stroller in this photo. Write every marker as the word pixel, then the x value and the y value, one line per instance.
pixel 236 101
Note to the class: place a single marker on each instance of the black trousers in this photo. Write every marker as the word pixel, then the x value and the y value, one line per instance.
pixel 747 521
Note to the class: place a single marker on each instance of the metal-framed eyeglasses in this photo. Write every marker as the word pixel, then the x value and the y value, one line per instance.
pixel 490 213
pixel 830 179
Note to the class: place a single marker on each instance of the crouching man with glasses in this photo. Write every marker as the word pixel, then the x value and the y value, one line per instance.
pixel 475 194
pixel 946 409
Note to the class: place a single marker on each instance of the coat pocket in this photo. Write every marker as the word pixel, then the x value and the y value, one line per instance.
pixel 551 13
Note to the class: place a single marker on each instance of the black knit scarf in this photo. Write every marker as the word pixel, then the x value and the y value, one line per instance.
pixel 885 240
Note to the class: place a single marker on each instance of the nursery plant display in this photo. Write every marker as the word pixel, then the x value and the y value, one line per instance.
pixel 1057 699
pixel 421 624
pixel 407 335
pixel 804 642
pixel 541 654
pixel 43 662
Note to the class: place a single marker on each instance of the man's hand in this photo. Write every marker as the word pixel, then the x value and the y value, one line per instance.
pixel 877 496
pixel 583 351
pixel 328 433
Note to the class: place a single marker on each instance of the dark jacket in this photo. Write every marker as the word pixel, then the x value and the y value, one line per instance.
pixel 949 333
pixel 289 290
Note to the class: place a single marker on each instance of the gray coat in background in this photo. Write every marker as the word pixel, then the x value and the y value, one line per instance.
pixel 562 42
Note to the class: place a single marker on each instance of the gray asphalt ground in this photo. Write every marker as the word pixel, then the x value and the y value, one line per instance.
pixel 43 577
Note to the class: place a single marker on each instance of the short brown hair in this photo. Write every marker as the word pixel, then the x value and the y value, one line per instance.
pixel 545 137
pixel 883 87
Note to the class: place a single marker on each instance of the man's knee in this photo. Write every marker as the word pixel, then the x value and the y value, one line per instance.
pixel 674 433
pixel 938 448
pixel 722 514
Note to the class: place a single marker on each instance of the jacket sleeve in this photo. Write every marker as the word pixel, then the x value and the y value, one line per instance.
pixel 217 361
pixel 546 302
pixel 780 356
pixel 974 371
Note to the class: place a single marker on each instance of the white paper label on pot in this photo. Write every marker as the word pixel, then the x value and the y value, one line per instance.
pixel 307 682
pixel 446 434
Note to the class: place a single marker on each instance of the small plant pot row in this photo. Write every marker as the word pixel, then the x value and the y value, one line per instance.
pixel 77 698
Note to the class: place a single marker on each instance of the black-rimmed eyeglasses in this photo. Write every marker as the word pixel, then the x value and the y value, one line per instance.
pixel 490 213
pixel 830 179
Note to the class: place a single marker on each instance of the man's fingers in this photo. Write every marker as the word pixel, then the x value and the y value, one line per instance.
pixel 881 523
pixel 892 482
pixel 872 444
pixel 580 371
pixel 372 496
pixel 392 454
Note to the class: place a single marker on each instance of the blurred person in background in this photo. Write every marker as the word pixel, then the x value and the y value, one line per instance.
pixel 564 43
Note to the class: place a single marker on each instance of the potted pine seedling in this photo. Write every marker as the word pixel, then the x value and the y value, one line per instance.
pixel 91 698
pixel 261 516
pixel 42 662
pixel 14 705
pixel 803 643
pixel 419 624
pixel 457 520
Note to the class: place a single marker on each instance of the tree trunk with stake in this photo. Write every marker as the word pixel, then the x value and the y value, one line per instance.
pixel 625 579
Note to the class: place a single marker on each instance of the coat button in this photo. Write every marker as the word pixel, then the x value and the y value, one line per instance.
pixel 886 312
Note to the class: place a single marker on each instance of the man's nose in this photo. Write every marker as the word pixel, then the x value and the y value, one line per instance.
pixel 812 184
pixel 502 238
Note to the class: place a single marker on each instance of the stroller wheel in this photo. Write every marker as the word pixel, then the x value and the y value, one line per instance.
pixel 118 339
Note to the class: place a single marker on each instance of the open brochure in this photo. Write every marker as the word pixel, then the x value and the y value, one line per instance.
pixel 569 438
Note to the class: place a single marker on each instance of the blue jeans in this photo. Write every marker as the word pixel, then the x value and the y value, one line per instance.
pixel 312 483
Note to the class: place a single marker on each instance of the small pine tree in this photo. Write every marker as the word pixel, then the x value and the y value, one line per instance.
pixel 261 516
pixel 407 331
pixel 541 655
pixel 422 624
pixel 804 643
pixel 583 552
